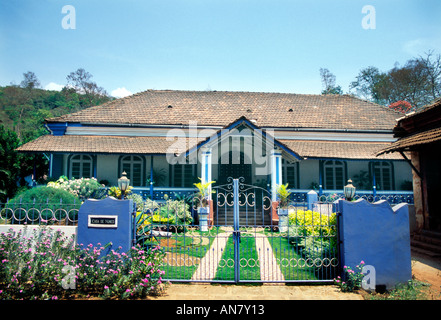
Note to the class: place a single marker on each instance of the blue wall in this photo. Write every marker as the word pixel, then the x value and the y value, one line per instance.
pixel 379 235
pixel 120 236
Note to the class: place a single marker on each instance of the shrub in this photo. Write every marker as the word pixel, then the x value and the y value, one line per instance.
pixel 83 188
pixel 176 212
pixel 48 266
pixel 313 234
pixel 310 223
pixel 352 279
pixel 45 195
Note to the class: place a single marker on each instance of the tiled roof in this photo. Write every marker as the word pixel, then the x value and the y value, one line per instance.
pixel 406 143
pixel 160 145
pixel 214 108
pixel 339 149
pixel 106 144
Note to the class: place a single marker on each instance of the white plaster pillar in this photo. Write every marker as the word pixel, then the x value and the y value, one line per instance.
pixel 206 168
pixel 276 172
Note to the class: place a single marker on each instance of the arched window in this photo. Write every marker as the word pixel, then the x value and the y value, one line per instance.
pixel 134 167
pixel 334 174
pixel 383 175
pixel 80 166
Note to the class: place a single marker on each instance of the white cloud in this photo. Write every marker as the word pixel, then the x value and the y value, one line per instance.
pixel 120 93
pixel 54 86
pixel 419 46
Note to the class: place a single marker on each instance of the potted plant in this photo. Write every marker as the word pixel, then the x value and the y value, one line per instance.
pixel 202 203
pixel 282 195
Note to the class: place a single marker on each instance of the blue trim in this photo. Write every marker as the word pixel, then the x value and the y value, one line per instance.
pixel 57 129
pixel 236 124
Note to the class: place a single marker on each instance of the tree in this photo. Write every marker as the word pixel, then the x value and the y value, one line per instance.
pixel 368 83
pixel 328 81
pixel 432 66
pixel 81 81
pixel 30 81
pixel 418 82
pixel 9 163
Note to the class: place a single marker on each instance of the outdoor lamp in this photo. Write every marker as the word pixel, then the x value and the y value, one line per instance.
pixel 349 190
pixel 123 184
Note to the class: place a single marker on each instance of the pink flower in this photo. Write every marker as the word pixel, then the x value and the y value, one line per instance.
pixel 106 287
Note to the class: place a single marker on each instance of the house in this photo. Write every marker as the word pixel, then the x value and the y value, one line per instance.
pixel 165 139
pixel 419 134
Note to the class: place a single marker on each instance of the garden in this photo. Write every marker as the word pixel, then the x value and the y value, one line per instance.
pixel 47 265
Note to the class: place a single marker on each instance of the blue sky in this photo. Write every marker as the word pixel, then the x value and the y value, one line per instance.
pixel 232 45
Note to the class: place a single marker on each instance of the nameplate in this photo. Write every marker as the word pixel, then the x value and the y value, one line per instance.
pixel 99 221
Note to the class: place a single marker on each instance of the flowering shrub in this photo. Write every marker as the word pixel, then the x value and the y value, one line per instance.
pixel 352 279
pixel 83 188
pixel 116 192
pixel 401 106
pixel 175 212
pixel 47 265
pixel 313 234
pixel 311 223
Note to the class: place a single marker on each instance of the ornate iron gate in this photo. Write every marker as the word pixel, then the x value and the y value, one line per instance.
pixel 245 241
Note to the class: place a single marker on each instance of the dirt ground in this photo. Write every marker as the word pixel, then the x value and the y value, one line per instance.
pixel 423 269
pixel 428 270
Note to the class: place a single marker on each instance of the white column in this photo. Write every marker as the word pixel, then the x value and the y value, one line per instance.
pixel 276 172
pixel 206 168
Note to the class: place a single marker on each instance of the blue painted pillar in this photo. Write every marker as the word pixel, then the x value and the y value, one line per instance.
pixel 151 177
pixel 106 221
pixel 374 185
pixel 276 172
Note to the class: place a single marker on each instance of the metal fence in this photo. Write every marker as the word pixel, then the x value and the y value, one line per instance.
pixel 39 213
pixel 243 240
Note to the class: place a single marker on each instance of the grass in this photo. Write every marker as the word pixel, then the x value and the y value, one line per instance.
pixel 184 251
pixel 291 263
pixel 412 290
pixel 248 259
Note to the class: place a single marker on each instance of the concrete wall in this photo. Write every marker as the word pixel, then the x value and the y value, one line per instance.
pixel 378 235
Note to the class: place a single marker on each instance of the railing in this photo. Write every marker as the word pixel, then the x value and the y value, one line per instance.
pixel 392 197
pixel 39 213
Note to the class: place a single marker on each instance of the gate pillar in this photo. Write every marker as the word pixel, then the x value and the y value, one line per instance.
pixel 276 180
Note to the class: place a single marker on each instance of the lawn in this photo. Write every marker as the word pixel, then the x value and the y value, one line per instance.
pixel 184 252
pixel 248 260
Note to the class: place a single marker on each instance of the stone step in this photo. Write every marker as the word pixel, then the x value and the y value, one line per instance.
pixel 432 234
pixel 425 252
pixel 435 249
pixel 427 239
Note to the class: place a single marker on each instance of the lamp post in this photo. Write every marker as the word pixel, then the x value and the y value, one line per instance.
pixel 349 190
pixel 123 184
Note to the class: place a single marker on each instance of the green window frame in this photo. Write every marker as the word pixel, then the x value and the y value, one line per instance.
pixel 384 173
pixel 80 166
pixel 183 175
pixel 134 166
pixel 334 174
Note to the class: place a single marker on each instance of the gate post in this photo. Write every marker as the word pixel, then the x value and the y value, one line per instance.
pixel 236 234
pixel 106 221
pixel 311 198
pixel 276 180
